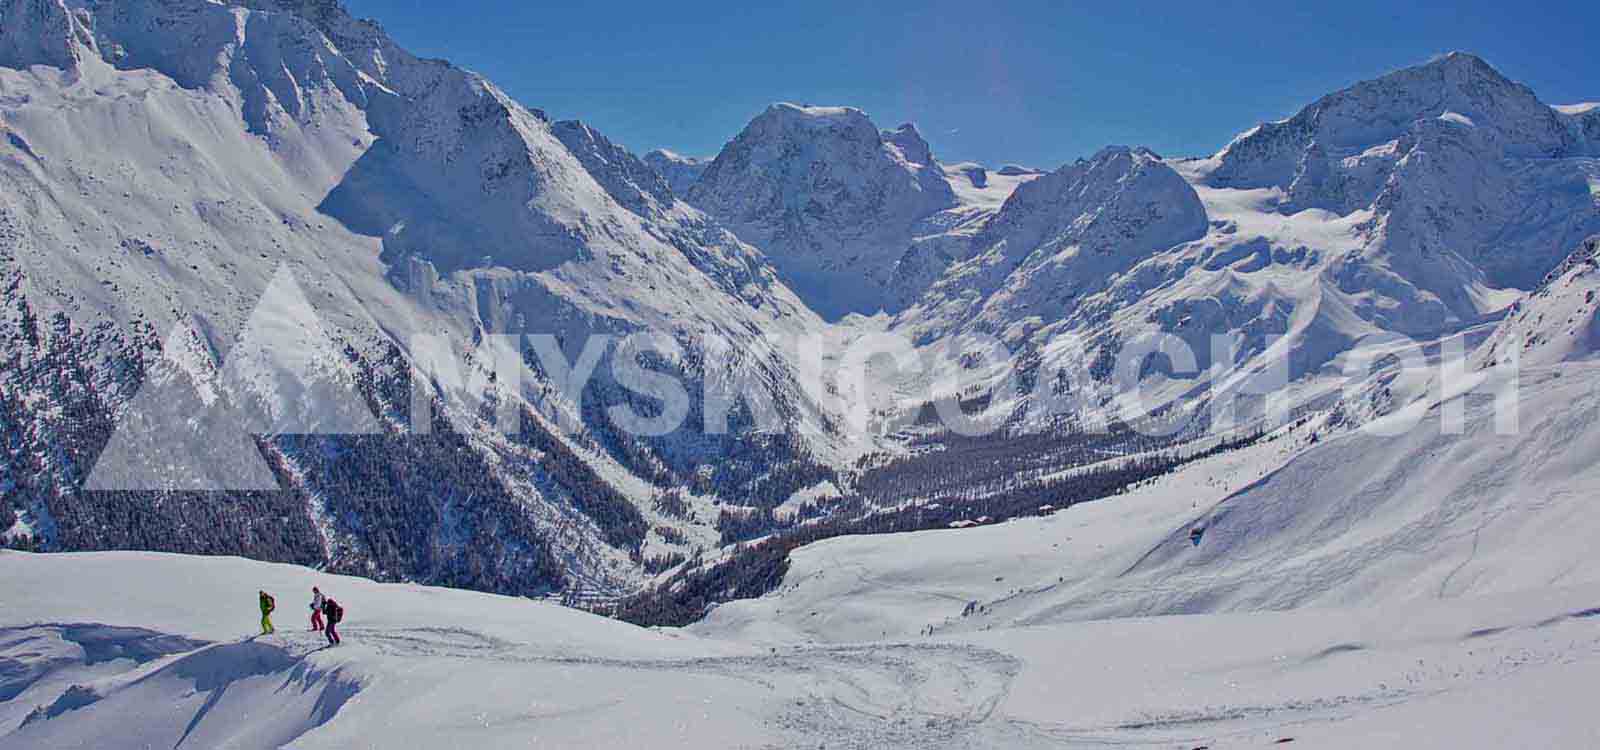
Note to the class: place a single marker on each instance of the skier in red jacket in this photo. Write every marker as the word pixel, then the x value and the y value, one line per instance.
pixel 334 613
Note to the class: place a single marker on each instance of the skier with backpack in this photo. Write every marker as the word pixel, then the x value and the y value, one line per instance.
pixel 267 606
pixel 316 608
pixel 334 613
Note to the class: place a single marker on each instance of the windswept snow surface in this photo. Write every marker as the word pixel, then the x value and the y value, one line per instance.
pixel 126 650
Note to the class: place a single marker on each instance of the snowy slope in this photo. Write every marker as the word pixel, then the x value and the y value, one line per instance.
pixel 1368 519
pixel 1407 561
pixel 978 186
pixel 1434 516
pixel 157 650
pixel 164 160
pixel 896 585
pixel 1559 321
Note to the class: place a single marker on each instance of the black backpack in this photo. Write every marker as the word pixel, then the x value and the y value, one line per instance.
pixel 334 612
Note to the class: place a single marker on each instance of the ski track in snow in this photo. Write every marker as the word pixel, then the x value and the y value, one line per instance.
pixel 907 695
pixel 912 695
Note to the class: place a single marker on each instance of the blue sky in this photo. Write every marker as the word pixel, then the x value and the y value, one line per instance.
pixel 1037 83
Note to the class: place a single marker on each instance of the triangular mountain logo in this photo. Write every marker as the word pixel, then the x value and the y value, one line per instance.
pixel 191 424
pixel 286 376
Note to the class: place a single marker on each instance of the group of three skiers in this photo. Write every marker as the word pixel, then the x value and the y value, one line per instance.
pixel 321 606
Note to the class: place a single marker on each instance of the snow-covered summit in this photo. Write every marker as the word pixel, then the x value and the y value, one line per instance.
pixel 909 142
pixel 1448 155
pixel 1123 200
pixel 1584 120
pixel 1352 120
pixel 678 170
pixel 1062 237
pixel 831 199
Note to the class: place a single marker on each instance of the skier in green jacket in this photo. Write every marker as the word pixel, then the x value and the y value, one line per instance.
pixel 267 605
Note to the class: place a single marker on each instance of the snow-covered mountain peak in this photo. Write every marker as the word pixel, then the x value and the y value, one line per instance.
pixel 680 172
pixel 1581 108
pixel 911 145
pixel 1416 203
pixel 1060 238
pixel 809 115
pixel 1471 180
pixel 1584 120
pixel 1366 115
pixel 832 200
pixel 784 122
pixel 1116 150
pixel 1123 200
